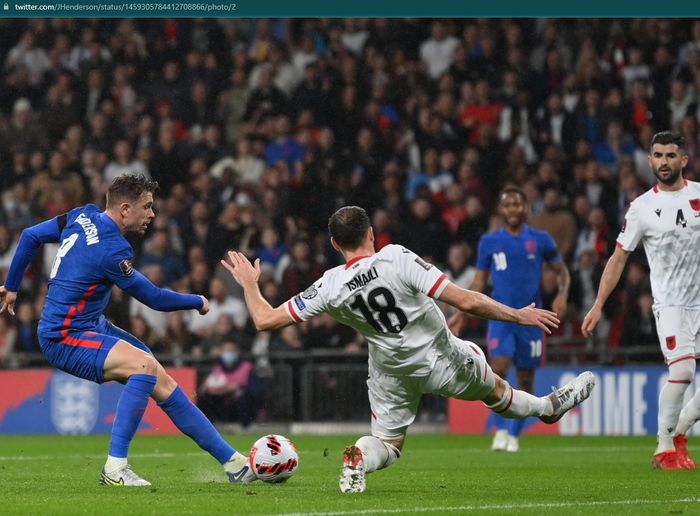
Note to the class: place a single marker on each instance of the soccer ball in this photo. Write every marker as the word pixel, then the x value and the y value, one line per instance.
pixel 273 458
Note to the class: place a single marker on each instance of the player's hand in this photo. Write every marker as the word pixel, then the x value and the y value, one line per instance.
pixel 8 299
pixel 457 322
pixel 559 306
pixel 590 321
pixel 205 306
pixel 532 316
pixel 241 269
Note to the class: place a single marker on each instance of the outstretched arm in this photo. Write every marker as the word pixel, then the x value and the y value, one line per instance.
pixel 265 317
pixel 481 305
pixel 29 243
pixel 611 276
pixel 459 319
pixel 162 299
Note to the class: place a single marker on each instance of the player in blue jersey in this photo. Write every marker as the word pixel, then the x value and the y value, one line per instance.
pixel 513 257
pixel 75 336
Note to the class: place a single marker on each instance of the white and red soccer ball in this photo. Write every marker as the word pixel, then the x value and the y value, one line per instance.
pixel 273 458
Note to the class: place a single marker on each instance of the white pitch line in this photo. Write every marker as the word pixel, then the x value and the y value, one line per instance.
pixel 94 456
pixel 501 507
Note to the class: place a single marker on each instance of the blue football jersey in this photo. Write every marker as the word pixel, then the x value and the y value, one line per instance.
pixel 93 255
pixel 515 262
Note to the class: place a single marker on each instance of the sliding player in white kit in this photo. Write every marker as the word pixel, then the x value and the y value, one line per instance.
pixel 666 219
pixel 389 297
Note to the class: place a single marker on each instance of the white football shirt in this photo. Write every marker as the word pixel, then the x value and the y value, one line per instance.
pixel 388 298
pixel 668 225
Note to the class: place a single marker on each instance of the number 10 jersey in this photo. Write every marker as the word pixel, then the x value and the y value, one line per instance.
pixel 389 298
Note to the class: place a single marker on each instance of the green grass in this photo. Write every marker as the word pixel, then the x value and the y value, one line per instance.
pixel 436 475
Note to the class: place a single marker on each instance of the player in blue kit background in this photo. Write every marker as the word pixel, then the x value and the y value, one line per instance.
pixel 75 336
pixel 513 256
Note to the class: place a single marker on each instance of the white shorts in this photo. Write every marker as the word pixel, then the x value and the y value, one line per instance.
pixel 679 333
pixel 463 374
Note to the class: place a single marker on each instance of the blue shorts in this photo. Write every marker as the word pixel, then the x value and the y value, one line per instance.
pixel 523 344
pixel 83 353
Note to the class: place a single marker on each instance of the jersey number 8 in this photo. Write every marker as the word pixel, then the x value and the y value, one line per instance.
pixel 385 311
pixel 62 251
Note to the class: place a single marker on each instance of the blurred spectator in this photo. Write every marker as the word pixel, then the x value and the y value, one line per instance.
pixel 426 234
pixel 8 246
pixel 178 339
pixel 22 130
pixel 123 163
pixel 596 236
pixel 26 329
pixel 557 221
pixel 139 328
pixel 220 303
pixel 640 328
pixel 158 252
pixel 232 392
pixel 8 338
pixel 437 52
pixel 302 271
pixel 56 177
pixel 288 339
pixel 325 333
pixel 271 250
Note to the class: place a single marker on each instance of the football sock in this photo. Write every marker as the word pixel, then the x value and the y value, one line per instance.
pixel 516 427
pixel 191 422
pixel 130 408
pixel 377 454
pixel 680 375
pixel 518 404
pixel 689 415
pixel 235 462
pixel 114 464
pixel 500 422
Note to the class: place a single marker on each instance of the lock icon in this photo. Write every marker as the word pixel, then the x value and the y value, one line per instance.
pixel 6 7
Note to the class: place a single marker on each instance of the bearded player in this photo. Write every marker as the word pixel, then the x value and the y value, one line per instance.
pixel 666 220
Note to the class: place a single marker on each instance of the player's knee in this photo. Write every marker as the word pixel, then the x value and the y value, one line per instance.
pixel 682 371
pixel 147 364
pixel 497 393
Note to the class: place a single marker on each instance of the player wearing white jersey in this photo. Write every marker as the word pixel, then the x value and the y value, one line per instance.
pixel 389 297
pixel 666 219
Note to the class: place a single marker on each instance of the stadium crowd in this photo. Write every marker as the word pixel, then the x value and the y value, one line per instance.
pixel 257 130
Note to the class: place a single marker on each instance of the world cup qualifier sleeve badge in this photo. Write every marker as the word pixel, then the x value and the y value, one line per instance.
pixel 310 292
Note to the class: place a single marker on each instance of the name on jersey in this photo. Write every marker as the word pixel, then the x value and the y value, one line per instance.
pixel 89 229
pixel 362 279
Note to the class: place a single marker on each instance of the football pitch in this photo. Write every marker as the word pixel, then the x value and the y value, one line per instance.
pixel 436 475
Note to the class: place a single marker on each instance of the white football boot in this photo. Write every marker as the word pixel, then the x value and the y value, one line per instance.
pixel 352 476
pixel 238 470
pixel 570 395
pixel 122 477
pixel 500 440
pixel 513 444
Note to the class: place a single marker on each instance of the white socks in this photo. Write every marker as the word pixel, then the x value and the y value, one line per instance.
pixel 519 404
pixel 376 453
pixel 235 463
pixel 114 463
pixel 680 375
pixel 689 415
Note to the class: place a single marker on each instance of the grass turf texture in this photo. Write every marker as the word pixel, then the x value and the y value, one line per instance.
pixel 436 475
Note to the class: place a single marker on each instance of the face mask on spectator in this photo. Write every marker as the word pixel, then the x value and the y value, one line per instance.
pixel 229 357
